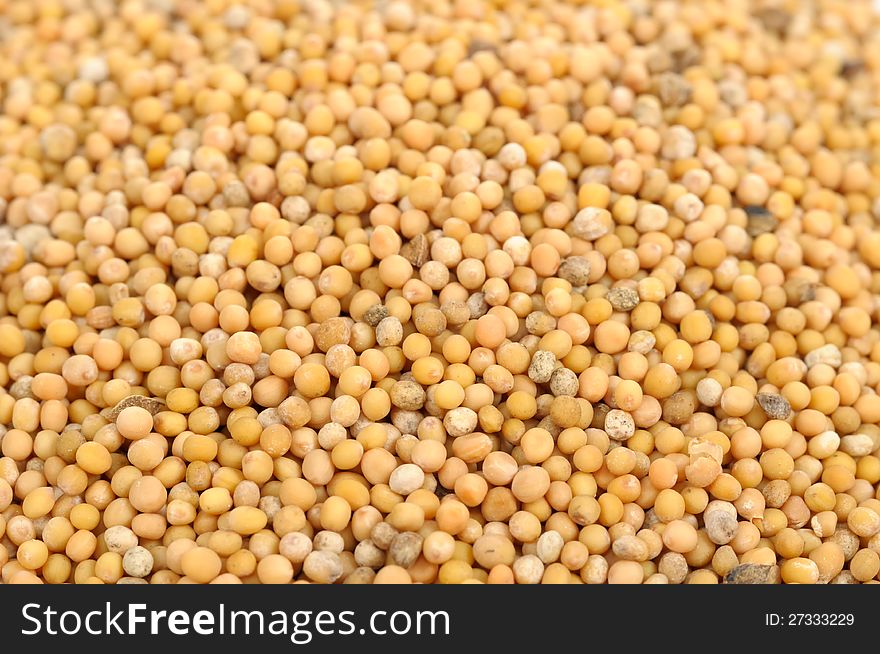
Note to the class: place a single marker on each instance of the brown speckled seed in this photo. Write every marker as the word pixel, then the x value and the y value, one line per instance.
pixel 541 367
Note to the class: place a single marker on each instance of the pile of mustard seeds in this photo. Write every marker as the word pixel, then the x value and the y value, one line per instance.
pixel 439 291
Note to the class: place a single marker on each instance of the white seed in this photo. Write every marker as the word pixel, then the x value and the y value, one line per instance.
pixel 827 354
pixel 406 478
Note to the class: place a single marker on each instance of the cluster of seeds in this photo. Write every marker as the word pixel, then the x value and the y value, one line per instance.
pixel 439 291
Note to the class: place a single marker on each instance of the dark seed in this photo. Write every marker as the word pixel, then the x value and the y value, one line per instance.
pixel 152 404
pixel 753 573
pixel 416 250
pixel 775 406
pixel 375 314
